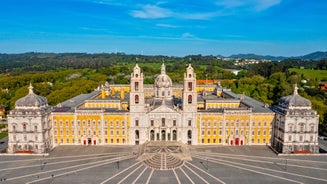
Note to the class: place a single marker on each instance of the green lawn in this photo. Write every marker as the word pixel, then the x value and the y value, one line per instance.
pixel 3 134
pixel 311 74
pixel 3 126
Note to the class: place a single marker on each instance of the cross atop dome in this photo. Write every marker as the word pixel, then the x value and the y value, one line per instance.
pixel 163 68
pixel 295 92
pixel 30 89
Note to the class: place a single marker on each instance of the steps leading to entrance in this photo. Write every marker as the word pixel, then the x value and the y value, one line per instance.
pixel 162 155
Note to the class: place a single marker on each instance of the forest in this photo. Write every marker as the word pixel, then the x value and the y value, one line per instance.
pixel 59 77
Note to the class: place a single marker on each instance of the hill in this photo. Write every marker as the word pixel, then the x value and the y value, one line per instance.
pixel 312 56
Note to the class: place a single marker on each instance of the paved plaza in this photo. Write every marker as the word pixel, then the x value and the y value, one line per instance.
pixel 120 164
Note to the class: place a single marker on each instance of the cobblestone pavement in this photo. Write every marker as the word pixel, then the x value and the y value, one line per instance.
pixel 118 164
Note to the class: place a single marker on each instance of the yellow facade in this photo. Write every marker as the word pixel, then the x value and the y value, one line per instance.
pixel 234 128
pixel 99 128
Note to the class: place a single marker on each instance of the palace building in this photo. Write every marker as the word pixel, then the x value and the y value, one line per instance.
pixel 137 113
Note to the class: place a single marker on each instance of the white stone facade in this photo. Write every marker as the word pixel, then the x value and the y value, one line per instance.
pixel 296 125
pixel 29 125
pixel 159 118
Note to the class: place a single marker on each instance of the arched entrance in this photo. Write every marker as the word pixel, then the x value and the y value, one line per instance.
pixel 236 141
pixel 174 135
pixel 137 137
pixel 163 135
pixel 152 135
pixel 189 137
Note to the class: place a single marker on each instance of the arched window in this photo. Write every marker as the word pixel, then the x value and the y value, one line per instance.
pixel 24 127
pixel 137 134
pixel 301 127
pixel 189 99
pixel 136 99
pixel 136 84
pixel 189 86
pixel 290 127
pixel 163 122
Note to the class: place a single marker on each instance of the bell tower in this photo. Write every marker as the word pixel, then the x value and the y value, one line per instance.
pixel 189 91
pixel 137 90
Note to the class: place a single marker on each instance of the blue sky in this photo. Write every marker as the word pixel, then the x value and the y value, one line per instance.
pixel 167 27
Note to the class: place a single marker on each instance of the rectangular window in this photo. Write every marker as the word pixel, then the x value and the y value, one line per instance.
pixel 136 122
pixel 189 122
pixel 152 122
pixel 174 122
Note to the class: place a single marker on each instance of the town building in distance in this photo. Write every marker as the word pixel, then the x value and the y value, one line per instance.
pixel 137 113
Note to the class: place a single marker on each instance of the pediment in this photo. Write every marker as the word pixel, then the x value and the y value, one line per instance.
pixel 164 109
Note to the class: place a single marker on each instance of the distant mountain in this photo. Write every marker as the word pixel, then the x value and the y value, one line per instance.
pixel 258 57
pixel 312 56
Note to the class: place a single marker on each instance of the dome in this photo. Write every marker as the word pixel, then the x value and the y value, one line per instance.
pixel 163 80
pixel 294 100
pixel 31 100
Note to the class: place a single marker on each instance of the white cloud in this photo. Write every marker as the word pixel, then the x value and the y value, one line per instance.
pixel 188 35
pixel 257 5
pixel 166 25
pixel 154 12
pixel 265 4
pixel 199 16
pixel 151 12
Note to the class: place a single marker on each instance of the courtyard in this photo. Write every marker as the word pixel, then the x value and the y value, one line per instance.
pixel 120 164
